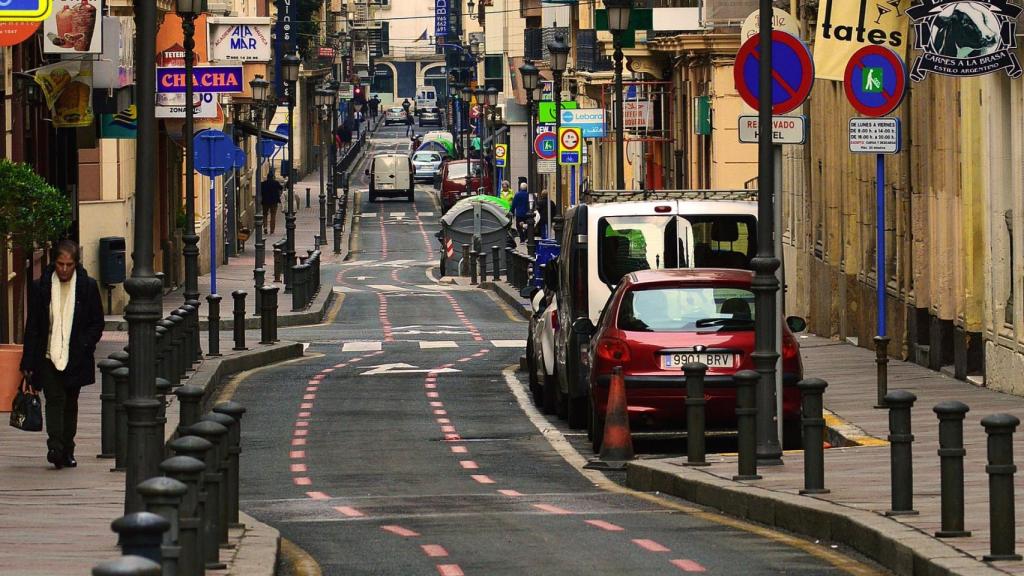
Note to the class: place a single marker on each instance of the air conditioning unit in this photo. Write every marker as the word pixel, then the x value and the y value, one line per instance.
pixel 219 7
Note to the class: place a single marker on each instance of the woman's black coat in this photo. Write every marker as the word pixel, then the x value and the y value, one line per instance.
pixel 86 328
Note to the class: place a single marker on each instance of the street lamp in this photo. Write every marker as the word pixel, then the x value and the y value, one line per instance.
pixel 481 101
pixel 290 74
pixel 530 74
pixel 259 87
pixel 559 52
pixel 189 10
pixel 467 97
pixel 492 102
pixel 618 22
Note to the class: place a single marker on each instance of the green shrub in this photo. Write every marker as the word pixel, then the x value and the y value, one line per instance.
pixel 32 212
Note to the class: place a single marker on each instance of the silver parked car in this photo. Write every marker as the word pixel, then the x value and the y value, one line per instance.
pixel 431 115
pixel 394 115
pixel 427 165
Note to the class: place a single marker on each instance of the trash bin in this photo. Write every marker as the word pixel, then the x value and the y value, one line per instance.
pixel 112 260
pixel 458 226
pixel 547 250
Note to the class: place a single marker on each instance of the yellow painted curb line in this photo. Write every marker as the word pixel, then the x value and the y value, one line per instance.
pixel 298 562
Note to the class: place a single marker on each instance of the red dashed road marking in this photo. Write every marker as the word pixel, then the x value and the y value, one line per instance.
pixel 443 421
pixel 448 429
pixel 302 481
pixel 606 525
pixel 306 406
pixel 405 532
pixel 434 550
pixel 511 493
pixel 650 545
pixel 309 397
pixel 349 511
pixel 440 412
pixel 482 479
pixel 318 496
pixel 298 467
pixel 459 449
pixel 433 395
pixel 450 570
pixel 297 454
pixel 551 509
pixel 298 441
pixel 304 414
pixel 436 404
pixel 302 424
pixel 688 566
pixel 468 464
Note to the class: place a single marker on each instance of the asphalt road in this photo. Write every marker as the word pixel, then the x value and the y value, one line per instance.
pixel 403 442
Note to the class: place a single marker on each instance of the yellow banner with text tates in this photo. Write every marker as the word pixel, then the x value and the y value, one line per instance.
pixel 845 26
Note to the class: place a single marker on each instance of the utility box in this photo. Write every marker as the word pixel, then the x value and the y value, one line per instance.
pixel 112 260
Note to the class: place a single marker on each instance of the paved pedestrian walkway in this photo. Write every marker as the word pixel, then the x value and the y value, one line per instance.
pixel 57 522
pixel 237 274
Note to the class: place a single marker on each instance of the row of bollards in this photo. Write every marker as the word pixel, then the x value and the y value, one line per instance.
pixel 518 268
pixel 305 280
pixel 999 429
pixel 189 511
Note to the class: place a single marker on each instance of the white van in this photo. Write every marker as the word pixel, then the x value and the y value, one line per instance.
pixel 602 241
pixel 391 175
pixel 426 98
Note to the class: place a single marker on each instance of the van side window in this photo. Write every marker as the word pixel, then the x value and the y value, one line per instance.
pixel 726 241
pixel 629 243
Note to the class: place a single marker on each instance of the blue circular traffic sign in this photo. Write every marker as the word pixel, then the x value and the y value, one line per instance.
pixel 546 145
pixel 875 80
pixel 792 72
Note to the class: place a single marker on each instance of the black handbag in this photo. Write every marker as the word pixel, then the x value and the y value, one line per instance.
pixel 26 410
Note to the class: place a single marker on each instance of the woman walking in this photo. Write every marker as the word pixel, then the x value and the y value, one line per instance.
pixel 64 324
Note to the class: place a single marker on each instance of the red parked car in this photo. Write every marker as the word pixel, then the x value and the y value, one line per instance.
pixel 453 184
pixel 658 320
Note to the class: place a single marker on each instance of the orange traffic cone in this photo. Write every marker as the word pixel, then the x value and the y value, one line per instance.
pixel 617 445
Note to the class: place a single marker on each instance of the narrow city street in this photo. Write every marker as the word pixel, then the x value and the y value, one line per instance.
pixel 403 442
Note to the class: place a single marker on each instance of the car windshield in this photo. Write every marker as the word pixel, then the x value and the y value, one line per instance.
pixel 685 309
pixel 426 157
pixel 630 243
pixel 458 170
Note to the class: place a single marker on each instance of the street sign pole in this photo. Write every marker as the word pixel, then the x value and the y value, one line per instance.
pixel 765 284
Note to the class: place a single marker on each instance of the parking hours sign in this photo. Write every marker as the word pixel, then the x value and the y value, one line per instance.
pixel 875 135
pixel 570 141
pixel 500 155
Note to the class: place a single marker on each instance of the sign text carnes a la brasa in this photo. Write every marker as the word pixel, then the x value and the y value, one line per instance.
pixel 221 79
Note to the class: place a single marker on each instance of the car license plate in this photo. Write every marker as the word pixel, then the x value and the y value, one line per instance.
pixel 676 360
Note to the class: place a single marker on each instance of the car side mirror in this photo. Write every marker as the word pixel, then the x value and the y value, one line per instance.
pixel 583 326
pixel 796 324
pixel 528 292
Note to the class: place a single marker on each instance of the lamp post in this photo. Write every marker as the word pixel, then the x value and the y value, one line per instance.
pixel 529 74
pixel 559 51
pixel 467 97
pixel 323 103
pixel 290 73
pixel 145 435
pixel 765 284
pixel 481 102
pixel 332 116
pixel 492 103
pixel 618 22
pixel 259 88
pixel 454 92
pixel 189 10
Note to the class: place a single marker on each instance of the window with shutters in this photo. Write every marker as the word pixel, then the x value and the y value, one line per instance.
pixel 533 48
pixel 494 72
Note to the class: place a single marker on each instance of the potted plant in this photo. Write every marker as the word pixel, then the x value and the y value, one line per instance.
pixel 32 214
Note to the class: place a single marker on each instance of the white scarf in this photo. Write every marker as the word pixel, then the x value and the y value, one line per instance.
pixel 60 323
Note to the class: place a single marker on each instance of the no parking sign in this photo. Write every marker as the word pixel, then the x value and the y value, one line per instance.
pixel 875 80
pixel 792 72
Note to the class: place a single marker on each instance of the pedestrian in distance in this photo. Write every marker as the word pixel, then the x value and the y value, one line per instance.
pixel 506 191
pixel 408 123
pixel 521 210
pixel 270 199
pixel 64 324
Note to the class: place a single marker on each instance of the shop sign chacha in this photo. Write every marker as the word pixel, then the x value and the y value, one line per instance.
pixel 965 38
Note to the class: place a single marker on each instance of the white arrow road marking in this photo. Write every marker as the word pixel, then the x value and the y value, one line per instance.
pixel 361 278
pixel 361 347
pixel 402 368
pixel 509 343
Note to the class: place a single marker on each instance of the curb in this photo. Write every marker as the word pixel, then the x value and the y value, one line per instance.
pixel 900 548
pixel 258 557
pixel 513 300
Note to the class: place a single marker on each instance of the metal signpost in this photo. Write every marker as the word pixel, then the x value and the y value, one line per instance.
pixel 875 84
pixel 774 74
pixel 500 160
pixel 214 155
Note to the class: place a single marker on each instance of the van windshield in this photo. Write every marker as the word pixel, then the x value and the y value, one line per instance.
pixel 683 309
pixel 630 243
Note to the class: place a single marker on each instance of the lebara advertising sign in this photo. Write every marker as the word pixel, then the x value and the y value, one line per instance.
pixel 589 120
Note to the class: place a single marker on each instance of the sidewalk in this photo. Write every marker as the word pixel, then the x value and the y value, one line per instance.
pixel 852 515
pixel 238 273
pixel 57 522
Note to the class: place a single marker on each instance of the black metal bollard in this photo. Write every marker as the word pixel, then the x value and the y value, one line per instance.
pixel 746 424
pixel 191 325
pixel 160 347
pixel 194 518
pixel 120 418
pixel 239 319
pixel 1000 469
pixel 271 295
pixel 213 324
pixel 163 389
pixel 168 366
pixel 196 351
pixel 495 263
pixel 265 317
pixel 258 280
pixel 235 411
pixel 190 398
pixel 481 265
pixel 812 407
pixel 464 263
pixel 307 197
pixel 901 456
pixel 162 495
pixel 141 534
pixel 337 233
pixel 127 566
pixel 178 343
pixel 882 360
pixel 323 219
pixel 108 402
pixel 298 287
pixel 508 264
pixel 212 478
pixel 472 266
pixel 223 449
pixel 695 415
pixel 951 467
pixel 278 260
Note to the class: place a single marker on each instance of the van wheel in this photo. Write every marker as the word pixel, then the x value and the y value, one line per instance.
pixel 596 429
pixel 410 197
pixel 578 413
